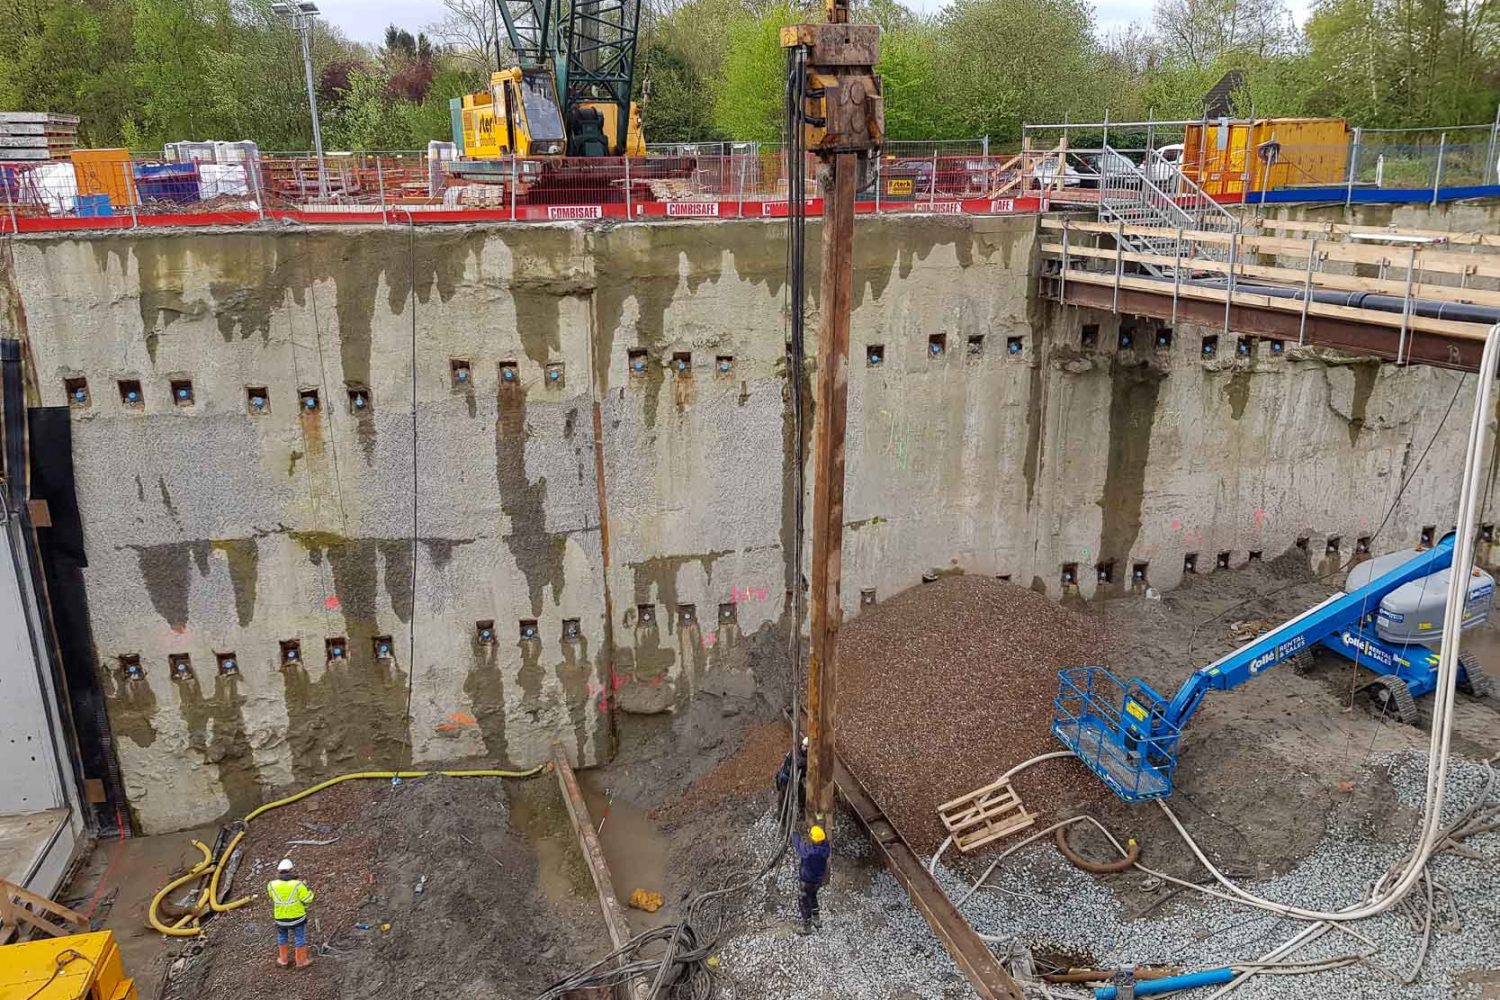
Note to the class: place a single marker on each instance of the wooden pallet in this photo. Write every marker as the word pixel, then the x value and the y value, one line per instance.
pixel 984 815
pixel 22 910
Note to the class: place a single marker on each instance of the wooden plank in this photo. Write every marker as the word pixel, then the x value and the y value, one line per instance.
pixel 970 953
pixel 1342 229
pixel 1294 276
pixel 18 906
pixel 1480 265
pixel 593 854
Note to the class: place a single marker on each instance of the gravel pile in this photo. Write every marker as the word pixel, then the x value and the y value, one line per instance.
pixel 944 687
pixel 1059 910
pixel 873 945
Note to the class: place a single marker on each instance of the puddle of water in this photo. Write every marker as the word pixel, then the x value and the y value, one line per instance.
pixel 634 848
pixel 537 811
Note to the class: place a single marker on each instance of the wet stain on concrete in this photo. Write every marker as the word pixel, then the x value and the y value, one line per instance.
pixel 440 550
pixel 531 676
pixel 1237 391
pixel 485 687
pixel 537 552
pixel 1132 411
pixel 243 557
pixel 577 674
pixel 655 580
pixel 347 715
pixel 165 569
pixel 1364 387
pixel 396 558
pixel 1036 417
pixel 216 732
pixel 140 489
pixel 131 706
pixel 166 497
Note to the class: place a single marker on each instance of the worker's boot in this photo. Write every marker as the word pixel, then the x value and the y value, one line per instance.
pixel 817 920
pixel 302 960
pixel 804 928
pixel 283 955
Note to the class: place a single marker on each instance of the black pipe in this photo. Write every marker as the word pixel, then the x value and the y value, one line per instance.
pixel 1462 312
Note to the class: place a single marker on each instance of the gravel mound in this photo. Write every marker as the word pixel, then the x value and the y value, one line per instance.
pixel 946 686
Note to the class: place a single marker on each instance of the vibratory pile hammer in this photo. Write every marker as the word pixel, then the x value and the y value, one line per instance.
pixel 1388 619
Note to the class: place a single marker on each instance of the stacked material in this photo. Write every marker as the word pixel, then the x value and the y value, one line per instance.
pixel 37 135
pixel 946 686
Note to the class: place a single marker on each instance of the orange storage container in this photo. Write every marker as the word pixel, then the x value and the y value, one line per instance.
pixel 1228 157
pixel 106 171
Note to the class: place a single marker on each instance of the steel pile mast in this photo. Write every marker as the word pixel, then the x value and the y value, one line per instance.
pixel 838 115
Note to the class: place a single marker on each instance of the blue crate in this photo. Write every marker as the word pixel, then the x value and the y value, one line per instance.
pixel 1119 730
pixel 93 206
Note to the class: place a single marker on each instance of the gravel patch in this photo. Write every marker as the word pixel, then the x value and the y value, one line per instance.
pixel 1059 910
pixel 873 944
pixel 949 684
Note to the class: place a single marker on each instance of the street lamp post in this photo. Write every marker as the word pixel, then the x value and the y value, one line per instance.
pixel 301 14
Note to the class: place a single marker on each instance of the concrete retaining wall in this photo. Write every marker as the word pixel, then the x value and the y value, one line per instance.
pixel 214 528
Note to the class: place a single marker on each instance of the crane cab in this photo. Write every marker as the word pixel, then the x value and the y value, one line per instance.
pixel 520 115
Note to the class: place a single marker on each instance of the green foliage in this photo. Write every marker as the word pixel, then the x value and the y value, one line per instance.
pixel 749 93
pixel 145 72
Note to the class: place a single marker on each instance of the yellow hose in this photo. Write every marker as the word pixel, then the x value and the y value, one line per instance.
pixel 196 872
pixel 213 883
pixel 212 902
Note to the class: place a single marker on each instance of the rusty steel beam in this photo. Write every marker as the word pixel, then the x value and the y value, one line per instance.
pixel 615 921
pixel 970 953
pixel 828 482
pixel 1374 339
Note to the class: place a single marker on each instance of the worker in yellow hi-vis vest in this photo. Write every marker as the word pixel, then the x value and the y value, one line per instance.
pixel 289 898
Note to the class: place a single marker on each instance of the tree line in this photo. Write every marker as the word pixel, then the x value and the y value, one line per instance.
pixel 143 72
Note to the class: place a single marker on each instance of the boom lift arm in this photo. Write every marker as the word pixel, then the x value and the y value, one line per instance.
pixel 1128 733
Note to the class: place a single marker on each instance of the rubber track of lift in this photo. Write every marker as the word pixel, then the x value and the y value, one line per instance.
pixel 1480 683
pixel 1401 706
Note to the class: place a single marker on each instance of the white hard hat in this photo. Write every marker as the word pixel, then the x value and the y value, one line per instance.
pixel 804 743
pixel 286 865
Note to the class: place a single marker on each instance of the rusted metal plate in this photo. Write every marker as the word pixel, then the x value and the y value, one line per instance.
pixel 971 954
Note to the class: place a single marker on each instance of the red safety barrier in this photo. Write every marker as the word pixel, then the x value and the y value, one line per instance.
pixel 386 189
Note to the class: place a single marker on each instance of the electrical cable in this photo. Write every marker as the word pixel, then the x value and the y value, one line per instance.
pixel 62 960
pixel 411 645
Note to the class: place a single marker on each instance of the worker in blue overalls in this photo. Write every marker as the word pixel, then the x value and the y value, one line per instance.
pixel 289 898
pixel 812 872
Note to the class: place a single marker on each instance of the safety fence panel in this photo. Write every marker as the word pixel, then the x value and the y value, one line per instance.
pixel 360 189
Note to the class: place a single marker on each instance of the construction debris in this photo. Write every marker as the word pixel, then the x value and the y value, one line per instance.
pixel 944 687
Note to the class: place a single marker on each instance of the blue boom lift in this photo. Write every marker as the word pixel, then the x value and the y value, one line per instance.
pixel 1389 618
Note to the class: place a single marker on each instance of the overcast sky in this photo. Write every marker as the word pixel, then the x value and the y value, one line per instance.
pixel 365 20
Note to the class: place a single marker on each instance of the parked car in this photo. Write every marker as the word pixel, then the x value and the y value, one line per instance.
pixel 1164 166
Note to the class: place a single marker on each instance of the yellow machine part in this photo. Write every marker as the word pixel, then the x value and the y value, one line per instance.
pixel 487 126
pixel 75 967
pixel 1222 157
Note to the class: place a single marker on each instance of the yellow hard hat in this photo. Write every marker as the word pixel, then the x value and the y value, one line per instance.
pixel 816 835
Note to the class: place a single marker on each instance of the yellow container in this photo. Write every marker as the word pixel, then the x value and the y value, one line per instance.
pixel 1233 157
pixel 43 970
pixel 105 171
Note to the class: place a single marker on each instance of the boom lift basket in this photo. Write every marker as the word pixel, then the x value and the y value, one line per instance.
pixel 1120 730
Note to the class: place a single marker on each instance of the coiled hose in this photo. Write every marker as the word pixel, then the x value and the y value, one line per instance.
pixel 188 924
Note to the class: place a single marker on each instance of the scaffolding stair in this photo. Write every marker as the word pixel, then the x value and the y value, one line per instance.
pixel 1129 197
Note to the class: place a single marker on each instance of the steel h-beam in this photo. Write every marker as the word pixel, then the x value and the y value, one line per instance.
pixel 841 119
pixel 828 484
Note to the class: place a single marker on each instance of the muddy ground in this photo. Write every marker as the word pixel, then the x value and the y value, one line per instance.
pixel 1267 773
pixel 448 887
